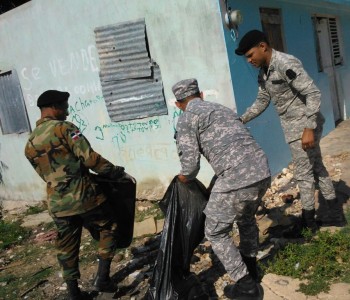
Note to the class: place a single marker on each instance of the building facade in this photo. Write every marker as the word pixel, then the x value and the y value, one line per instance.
pixel 118 59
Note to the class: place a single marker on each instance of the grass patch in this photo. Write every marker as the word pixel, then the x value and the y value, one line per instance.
pixel 17 285
pixel 153 211
pixel 35 209
pixel 11 233
pixel 323 260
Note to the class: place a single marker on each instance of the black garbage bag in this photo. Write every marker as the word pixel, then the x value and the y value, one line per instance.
pixel 183 206
pixel 121 194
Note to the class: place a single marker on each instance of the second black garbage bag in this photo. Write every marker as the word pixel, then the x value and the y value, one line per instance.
pixel 183 206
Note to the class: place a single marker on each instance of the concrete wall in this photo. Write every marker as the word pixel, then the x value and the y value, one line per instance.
pixel 299 41
pixel 51 44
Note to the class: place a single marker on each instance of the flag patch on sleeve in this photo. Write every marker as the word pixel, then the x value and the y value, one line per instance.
pixel 75 135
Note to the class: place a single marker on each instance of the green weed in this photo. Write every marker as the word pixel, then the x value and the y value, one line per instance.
pixel 154 211
pixel 35 209
pixel 324 259
pixel 11 233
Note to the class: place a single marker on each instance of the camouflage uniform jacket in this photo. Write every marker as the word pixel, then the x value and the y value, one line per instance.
pixel 214 130
pixel 293 93
pixel 62 157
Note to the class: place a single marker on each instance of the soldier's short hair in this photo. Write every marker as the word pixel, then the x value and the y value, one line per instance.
pixel 52 97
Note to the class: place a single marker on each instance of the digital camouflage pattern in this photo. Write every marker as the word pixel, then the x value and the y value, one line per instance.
pixel 308 166
pixel 185 88
pixel 225 208
pixel 295 96
pixel 214 130
pixel 297 101
pixel 62 157
pixel 242 176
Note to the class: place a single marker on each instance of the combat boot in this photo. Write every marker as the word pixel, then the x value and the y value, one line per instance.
pixel 102 281
pixel 74 290
pixel 335 216
pixel 307 222
pixel 245 289
pixel 254 270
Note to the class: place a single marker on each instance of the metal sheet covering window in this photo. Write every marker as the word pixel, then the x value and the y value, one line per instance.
pixel 131 81
pixel 13 114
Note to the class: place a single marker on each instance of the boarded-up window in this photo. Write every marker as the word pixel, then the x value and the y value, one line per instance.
pixel 327 36
pixel 131 81
pixel 271 22
pixel 13 114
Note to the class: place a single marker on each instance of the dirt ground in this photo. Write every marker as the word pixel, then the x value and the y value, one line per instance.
pixel 30 270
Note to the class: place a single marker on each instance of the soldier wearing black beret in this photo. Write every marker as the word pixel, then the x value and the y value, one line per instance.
pixel 62 156
pixel 283 79
pixel 51 97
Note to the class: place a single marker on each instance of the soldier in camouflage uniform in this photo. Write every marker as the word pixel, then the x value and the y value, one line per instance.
pixel 62 157
pixel 243 176
pixel 283 80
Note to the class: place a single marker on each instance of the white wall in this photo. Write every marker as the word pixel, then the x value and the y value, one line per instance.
pixel 51 44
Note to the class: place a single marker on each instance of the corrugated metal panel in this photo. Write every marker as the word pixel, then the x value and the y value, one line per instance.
pixel 13 115
pixel 135 98
pixel 123 51
pixel 131 83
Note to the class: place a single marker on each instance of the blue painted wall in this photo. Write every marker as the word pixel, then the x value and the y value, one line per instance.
pixel 299 40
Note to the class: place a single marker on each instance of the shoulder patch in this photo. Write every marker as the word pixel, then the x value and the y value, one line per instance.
pixel 291 74
pixel 75 135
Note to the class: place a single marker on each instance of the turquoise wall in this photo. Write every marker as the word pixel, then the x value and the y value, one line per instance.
pixel 299 41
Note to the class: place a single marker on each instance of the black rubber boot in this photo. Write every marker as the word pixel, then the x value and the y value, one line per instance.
pixel 102 281
pixel 254 270
pixel 335 214
pixel 309 220
pixel 74 290
pixel 245 289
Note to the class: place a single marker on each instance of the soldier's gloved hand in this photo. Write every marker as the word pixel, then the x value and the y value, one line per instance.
pixel 118 172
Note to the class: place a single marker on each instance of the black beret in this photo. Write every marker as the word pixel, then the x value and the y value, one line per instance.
pixel 50 97
pixel 249 40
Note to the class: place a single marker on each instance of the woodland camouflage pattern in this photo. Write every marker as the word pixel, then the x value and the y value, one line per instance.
pixel 295 96
pixel 62 156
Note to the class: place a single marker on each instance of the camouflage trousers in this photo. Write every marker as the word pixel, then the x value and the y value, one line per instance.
pixel 99 222
pixel 308 168
pixel 222 210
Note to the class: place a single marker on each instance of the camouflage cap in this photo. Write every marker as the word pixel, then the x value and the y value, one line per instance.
pixel 50 97
pixel 185 88
pixel 249 40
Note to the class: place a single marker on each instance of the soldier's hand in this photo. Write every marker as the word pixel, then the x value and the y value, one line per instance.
pixel 308 139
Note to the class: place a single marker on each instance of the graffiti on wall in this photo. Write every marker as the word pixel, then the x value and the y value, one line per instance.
pixel 82 60
pixel 120 131
pixel 160 152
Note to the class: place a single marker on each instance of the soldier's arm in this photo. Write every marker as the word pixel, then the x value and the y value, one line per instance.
pixel 187 146
pixel 302 83
pixel 31 155
pixel 81 147
pixel 261 103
